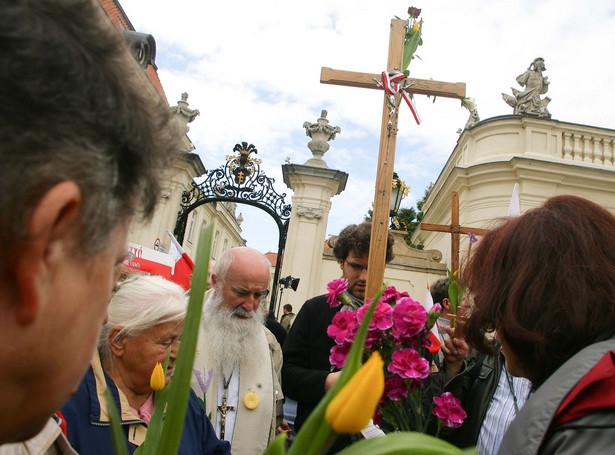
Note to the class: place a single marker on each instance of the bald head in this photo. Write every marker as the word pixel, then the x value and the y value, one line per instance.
pixel 241 276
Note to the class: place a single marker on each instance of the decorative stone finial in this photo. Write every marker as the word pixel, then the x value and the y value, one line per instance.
pixel 528 101
pixel 320 132
pixel 182 109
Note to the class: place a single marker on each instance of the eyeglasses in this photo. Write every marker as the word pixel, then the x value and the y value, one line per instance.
pixel 356 267
pixel 258 295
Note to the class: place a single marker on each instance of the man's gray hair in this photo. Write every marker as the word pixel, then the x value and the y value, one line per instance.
pixel 224 263
pixel 77 107
pixel 139 303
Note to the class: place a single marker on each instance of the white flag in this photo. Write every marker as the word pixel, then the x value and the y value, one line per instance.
pixel 514 209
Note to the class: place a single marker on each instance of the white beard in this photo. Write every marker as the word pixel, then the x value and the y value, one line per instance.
pixel 230 341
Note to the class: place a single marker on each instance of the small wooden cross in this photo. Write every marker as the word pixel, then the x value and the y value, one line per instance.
pixel 457 322
pixel 224 410
pixel 454 229
pixel 388 135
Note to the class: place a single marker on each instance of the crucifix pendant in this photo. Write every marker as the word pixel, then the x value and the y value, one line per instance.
pixel 223 410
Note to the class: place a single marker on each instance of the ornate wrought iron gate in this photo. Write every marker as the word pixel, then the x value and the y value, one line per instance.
pixel 240 180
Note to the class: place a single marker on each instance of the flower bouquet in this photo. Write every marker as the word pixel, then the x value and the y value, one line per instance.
pixel 352 401
pixel 400 331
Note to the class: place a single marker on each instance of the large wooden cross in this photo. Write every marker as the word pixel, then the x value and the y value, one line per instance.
pixel 388 135
pixel 454 229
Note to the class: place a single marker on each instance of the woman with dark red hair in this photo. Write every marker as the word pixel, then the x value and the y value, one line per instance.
pixel 545 282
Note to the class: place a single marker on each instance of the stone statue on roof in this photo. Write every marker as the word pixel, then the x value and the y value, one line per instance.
pixel 528 101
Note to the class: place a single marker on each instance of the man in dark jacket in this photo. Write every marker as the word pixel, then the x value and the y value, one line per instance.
pixel 307 373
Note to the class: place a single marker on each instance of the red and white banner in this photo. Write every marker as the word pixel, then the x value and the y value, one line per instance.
pixel 182 271
pixel 175 266
pixel 433 336
pixel 148 260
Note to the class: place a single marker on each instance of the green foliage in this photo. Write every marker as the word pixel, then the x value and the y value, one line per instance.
pixel 117 434
pixel 404 443
pixel 412 41
pixel 455 291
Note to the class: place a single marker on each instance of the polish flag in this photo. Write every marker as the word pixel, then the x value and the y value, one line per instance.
pixel 182 270
pixel 433 333
pixel 147 260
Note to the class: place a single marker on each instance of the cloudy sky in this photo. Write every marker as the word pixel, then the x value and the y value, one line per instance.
pixel 252 68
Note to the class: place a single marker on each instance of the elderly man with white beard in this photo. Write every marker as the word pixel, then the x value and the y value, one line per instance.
pixel 242 357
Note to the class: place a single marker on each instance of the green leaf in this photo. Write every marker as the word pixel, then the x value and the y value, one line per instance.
pixel 179 387
pixel 453 291
pixel 404 443
pixel 278 446
pixel 316 435
pixel 410 46
pixel 117 435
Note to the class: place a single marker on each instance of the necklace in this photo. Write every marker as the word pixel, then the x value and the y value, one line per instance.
pixel 511 386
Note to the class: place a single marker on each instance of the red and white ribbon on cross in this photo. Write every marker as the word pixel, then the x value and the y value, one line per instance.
pixel 390 81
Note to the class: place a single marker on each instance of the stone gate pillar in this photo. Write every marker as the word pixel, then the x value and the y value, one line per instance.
pixel 314 185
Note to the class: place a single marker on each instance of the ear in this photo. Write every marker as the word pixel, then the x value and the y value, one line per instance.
pixel 341 263
pixel 446 304
pixel 116 346
pixel 48 230
pixel 215 281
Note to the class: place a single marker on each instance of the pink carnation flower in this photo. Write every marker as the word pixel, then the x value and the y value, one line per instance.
pixel 373 337
pixel 391 295
pixel 338 354
pixel 382 316
pixel 335 288
pixel 409 318
pixel 448 408
pixel 343 326
pixel 407 363
pixel 395 388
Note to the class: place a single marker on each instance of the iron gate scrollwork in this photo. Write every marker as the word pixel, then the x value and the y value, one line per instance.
pixel 239 180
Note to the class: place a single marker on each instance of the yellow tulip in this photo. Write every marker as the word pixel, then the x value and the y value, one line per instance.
pixel 415 28
pixel 158 379
pixel 353 406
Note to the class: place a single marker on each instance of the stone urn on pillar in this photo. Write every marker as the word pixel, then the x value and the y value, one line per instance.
pixel 320 132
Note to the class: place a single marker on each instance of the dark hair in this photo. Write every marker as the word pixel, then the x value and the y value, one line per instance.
pixel 439 290
pixel 545 281
pixel 355 238
pixel 76 107
pixel 288 307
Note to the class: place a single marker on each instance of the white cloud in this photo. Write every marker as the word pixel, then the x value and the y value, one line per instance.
pixel 253 70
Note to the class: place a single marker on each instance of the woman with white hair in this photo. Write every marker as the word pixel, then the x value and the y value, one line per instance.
pixel 146 315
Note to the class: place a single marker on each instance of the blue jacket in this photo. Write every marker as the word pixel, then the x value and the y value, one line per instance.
pixel 88 427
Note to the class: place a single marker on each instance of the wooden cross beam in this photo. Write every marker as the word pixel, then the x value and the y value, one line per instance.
pixel 454 229
pixel 388 135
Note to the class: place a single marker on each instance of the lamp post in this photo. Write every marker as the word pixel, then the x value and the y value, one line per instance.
pixel 399 191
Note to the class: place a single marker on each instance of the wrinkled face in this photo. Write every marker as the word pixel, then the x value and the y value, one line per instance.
pixel 74 309
pixel 244 288
pixel 140 353
pixel 354 269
